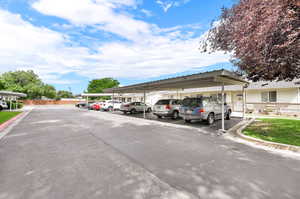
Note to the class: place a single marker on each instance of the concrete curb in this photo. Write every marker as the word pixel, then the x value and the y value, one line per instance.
pixel 6 127
pixel 8 122
pixel 236 131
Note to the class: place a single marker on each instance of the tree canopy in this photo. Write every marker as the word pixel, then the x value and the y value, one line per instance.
pixel 263 37
pixel 64 94
pixel 98 85
pixel 27 82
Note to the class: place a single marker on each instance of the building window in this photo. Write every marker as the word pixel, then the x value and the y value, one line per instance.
pixel 273 96
pixel 270 96
pixel 218 97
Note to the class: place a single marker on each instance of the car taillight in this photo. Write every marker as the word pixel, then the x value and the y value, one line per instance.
pixel 168 107
pixel 201 110
pixel 126 105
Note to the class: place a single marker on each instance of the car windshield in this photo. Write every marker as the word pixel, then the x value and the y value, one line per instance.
pixel 163 102
pixel 192 102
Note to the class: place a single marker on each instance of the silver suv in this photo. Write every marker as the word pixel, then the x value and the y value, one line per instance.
pixel 203 108
pixel 135 107
pixel 167 108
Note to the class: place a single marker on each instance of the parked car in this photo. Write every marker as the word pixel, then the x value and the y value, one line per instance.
pixel 135 107
pixel 81 104
pixel 110 105
pixel 96 106
pixel 3 105
pixel 203 108
pixel 167 108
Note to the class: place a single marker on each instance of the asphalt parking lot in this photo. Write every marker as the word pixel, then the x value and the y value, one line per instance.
pixel 63 152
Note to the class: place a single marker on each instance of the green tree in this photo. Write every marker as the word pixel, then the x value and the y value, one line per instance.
pixel 98 85
pixel 65 94
pixel 27 82
pixel 1 85
pixel 49 91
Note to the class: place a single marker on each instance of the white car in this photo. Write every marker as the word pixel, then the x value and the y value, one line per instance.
pixel 110 105
pixel 135 107
pixel 3 105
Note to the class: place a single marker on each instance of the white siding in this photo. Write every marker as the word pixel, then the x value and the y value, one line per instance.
pixel 287 95
pixel 284 95
pixel 253 96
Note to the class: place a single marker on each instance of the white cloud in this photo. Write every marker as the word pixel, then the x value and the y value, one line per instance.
pixel 150 51
pixel 152 60
pixel 166 5
pixel 148 13
pixel 99 13
pixel 24 46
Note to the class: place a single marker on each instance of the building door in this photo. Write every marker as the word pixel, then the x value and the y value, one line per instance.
pixel 238 102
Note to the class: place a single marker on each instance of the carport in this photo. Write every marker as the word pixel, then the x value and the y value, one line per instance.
pixel 220 78
pixel 11 96
pixel 88 95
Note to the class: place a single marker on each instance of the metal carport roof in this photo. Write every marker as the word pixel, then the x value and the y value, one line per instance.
pixel 96 94
pixel 199 80
pixel 13 94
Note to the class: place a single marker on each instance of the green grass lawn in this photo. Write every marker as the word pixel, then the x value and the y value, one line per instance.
pixel 4 116
pixel 284 131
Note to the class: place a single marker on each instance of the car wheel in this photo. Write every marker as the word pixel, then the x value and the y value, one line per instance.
pixel 187 121
pixel 175 115
pixel 210 119
pixel 228 115
pixel 159 116
pixel 133 111
pixel 149 110
pixel 1 108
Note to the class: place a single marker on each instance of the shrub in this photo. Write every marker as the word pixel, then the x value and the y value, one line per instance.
pixel 15 105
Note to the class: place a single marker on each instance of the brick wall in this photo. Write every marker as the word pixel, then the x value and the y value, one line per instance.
pixel 49 102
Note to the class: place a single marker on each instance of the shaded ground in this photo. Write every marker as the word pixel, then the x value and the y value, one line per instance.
pixel 71 153
pixel 198 124
pixel 286 131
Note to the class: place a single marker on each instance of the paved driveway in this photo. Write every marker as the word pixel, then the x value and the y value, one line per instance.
pixel 69 153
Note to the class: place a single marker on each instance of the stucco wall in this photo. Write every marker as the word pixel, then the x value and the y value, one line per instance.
pixel 287 95
pixel 284 95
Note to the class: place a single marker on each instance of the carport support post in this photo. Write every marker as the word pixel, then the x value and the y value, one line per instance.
pixel 244 102
pixel 113 98
pixel 144 104
pixel 223 107
pixel 10 104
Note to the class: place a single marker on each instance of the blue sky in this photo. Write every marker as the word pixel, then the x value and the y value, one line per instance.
pixel 70 42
